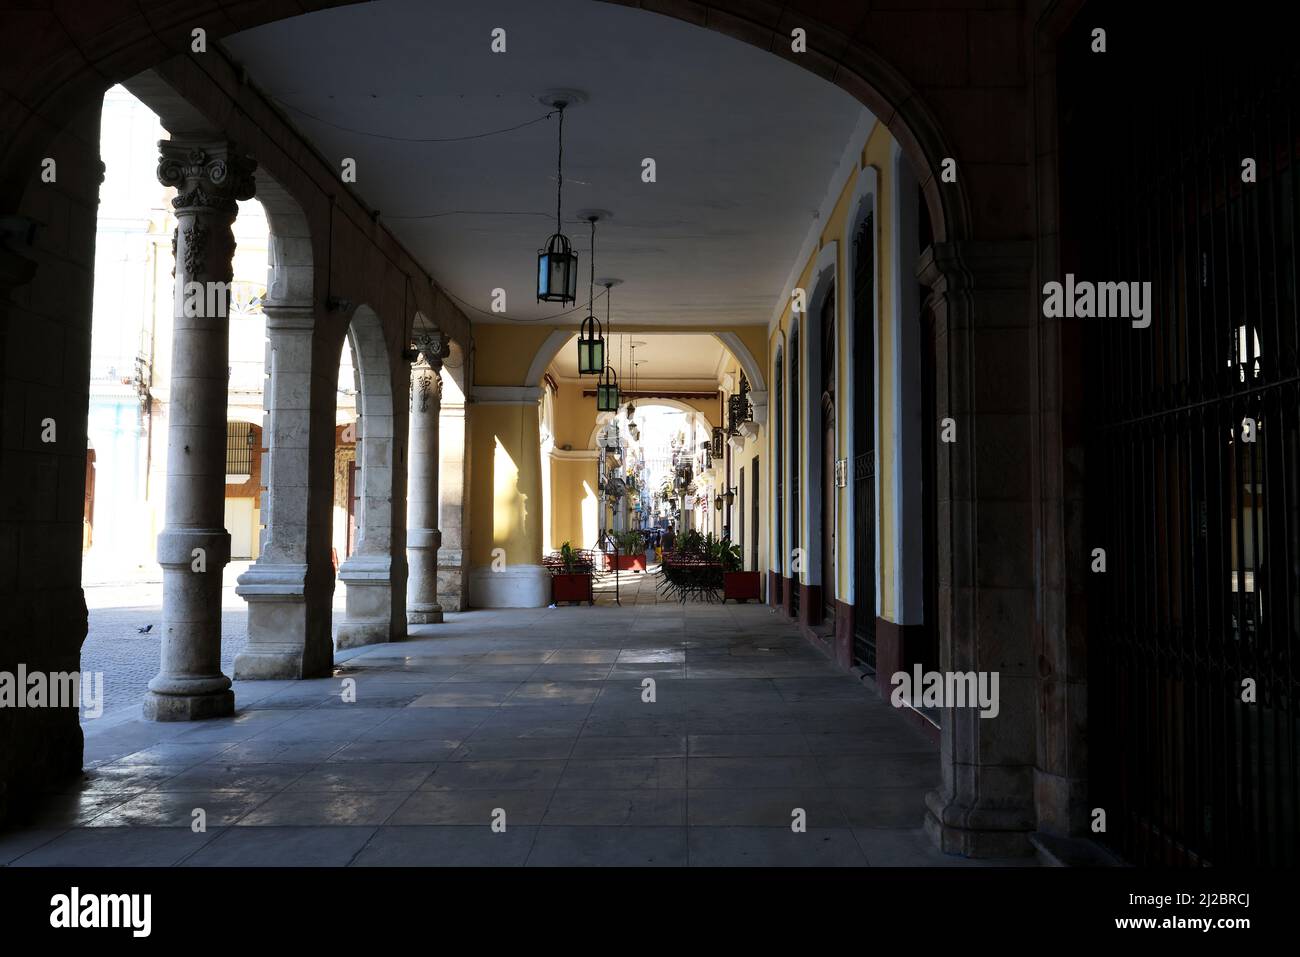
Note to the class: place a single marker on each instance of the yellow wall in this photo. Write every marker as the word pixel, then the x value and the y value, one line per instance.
pixel 506 464
pixel 876 153
pixel 574 502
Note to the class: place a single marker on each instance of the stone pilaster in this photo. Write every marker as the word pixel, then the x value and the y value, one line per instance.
pixel 423 536
pixel 453 442
pixel 984 312
pixel 194 546
pixel 288 620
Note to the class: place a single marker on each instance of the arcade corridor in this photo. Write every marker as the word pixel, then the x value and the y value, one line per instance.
pixel 958 339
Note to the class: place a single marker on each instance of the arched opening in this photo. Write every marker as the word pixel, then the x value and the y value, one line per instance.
pixel 137 386
pixel 368 573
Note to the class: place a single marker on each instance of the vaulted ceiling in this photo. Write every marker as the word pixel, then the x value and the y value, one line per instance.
pixel 744 143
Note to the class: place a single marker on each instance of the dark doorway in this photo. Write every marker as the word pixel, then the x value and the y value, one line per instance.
pixel 753 516
pixel 829 453
pixel 778 504
pixel 864 446
pixel 796 414
pixel 354 502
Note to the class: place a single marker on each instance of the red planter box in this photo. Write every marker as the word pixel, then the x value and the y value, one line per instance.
pixel 630 563
pixel 571 588
pixel 741 586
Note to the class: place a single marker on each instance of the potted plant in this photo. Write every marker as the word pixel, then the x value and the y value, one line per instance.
pixel 631 551
pixel 736 583
pixel 571 570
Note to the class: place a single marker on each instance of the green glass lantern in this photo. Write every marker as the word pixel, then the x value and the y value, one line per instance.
pixel 607 391
pixel 591 347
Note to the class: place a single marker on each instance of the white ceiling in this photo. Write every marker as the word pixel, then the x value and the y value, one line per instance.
pixel 745 144
pixel 663 358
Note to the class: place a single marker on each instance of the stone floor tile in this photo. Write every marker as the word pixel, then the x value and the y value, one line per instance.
pixel 282 847
pixel 596 846
pixel 520 774
pixel 447 846
pixel 473 807
pixel 117 847
pixel 637 807
pixel 317 809
pixel 774 847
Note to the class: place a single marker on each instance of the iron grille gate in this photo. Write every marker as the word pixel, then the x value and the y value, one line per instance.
pixel 1191 461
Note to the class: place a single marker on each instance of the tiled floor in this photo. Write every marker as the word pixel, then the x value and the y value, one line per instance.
pixel 534 721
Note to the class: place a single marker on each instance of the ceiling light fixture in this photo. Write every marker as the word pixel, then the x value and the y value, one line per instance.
pixel 607 385
pixel 557 263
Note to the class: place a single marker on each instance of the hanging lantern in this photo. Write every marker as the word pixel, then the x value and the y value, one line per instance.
pixel 557 263
pixel 557 271
pixel 717 503
pixel 607 391
pixel 591 347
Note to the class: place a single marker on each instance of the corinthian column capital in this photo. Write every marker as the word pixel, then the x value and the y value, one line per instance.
pixel 207 175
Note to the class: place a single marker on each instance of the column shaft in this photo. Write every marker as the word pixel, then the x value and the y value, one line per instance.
pixel 194 546
pixel 423 535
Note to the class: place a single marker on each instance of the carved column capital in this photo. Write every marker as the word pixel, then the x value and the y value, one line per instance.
pixel 432 348
pixel 206 175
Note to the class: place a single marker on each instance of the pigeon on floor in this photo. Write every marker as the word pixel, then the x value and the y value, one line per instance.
pixel 145 630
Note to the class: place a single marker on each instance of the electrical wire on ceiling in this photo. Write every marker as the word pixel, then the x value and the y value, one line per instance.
pixel 414 139
pixel 499 315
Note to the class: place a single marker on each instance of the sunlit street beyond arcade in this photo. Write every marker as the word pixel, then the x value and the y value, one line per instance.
pixel 664 434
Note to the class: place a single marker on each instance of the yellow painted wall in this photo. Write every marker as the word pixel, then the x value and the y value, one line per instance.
pixel 506 468
pixel 876 153
pixel 574 502
pixel 575 415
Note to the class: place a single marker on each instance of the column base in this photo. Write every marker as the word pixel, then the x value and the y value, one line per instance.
pixel 978 832
pixel 188 707
pixel 368 609
pixel 515 586
pixel 281 643
pixel 424 616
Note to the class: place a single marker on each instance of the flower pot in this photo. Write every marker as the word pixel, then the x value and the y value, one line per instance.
pixel 574 588
pixel 630 563
pixel 741 586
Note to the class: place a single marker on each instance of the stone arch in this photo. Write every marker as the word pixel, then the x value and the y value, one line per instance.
pixel 603 418
pixel 730 341
pixel 369 573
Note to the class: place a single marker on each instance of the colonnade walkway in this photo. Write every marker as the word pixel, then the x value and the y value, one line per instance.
pixel 539 722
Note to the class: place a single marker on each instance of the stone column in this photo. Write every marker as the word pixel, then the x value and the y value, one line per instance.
pixel 422 534
pixel 288 610
pixel 984 313
pixel 452 443
pixel 194 546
